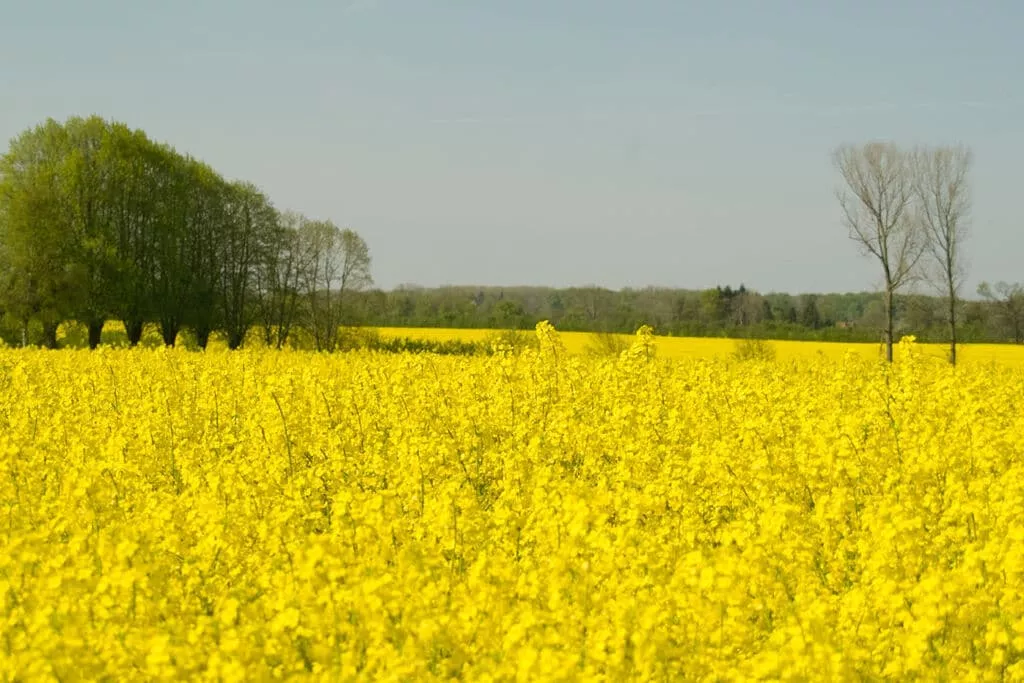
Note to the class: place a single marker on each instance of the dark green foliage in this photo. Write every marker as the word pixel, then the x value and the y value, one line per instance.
pixel 719 312
pixel 753 349
pixel 514 339
pixel 368 339
pixel 451 347
pixel 607 344
pixel 98 222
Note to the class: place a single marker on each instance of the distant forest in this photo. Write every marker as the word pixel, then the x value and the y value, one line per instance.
pixel 996 316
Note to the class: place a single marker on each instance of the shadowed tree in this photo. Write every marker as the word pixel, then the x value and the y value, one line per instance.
pixel 171 278
pixel 944 202
pixel 244 238
pixel 134 180
pixel 877 208
pixel 279 279
pixel 209 225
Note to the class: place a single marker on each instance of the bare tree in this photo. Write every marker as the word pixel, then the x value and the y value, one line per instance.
pixel 944 204
pixel 319 272
pixel 877 203
pixel 355 268
pixel 335 263
pixel 279 280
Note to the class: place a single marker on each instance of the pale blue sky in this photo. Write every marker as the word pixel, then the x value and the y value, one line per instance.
pixel 559 142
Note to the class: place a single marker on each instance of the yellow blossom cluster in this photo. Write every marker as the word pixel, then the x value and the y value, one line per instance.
pixel 254 515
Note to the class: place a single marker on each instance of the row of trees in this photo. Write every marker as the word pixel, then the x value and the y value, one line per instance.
pixel 99 222
pixel 718 311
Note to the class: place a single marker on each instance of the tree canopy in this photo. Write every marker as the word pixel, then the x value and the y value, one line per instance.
pixel 99 222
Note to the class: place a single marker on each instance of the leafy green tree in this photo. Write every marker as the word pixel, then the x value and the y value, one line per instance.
pixel 509 314
pixel 176 230
pixel 88 174
pixel 245 238
pixel 714 306
pixel 39 274
pixel 810 317
pixel 135 178
pixel 209 198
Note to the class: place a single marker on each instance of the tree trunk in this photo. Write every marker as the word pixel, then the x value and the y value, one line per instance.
pixel 133 328
pixel 50 335
pixel 284 322
pixel 169 331
pixel 203 335
pixel 24 333
pixel 235 338
pixel 952 326
pixel 95 333
pixel 890 315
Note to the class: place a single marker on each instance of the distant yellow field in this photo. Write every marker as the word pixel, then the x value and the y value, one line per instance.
pixel 716 347
pixel 667 347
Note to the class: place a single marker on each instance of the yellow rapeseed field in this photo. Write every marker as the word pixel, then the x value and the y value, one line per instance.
pixel 720 347
pixel 546 515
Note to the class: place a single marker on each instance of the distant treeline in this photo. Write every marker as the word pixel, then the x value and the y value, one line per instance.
pixel 998 316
